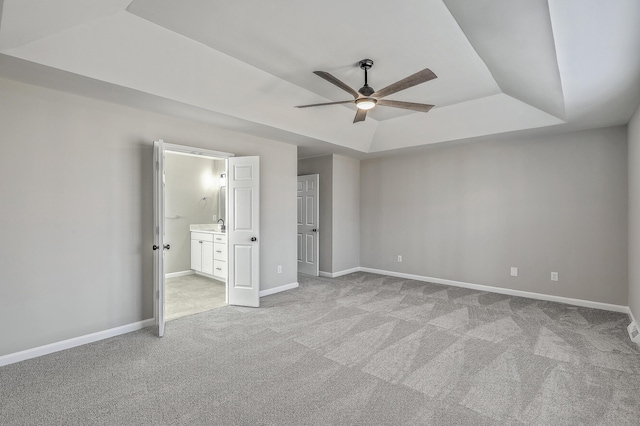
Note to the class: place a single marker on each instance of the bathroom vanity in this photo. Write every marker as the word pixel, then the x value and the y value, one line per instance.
pixel 209 251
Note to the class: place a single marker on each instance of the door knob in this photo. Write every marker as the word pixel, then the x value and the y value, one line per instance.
pixel 155 247
pixel 254 239
pixel 167 247
pixel 314 230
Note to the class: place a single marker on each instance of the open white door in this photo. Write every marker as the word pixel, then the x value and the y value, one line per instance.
pixel 308 241
pixel 243 231
pixel 158 234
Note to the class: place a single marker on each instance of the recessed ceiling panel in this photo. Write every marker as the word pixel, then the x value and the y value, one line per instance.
pixel 515 40
pixel 290 39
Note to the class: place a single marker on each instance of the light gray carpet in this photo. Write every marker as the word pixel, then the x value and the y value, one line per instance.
pixel 191 294
pixel 362 349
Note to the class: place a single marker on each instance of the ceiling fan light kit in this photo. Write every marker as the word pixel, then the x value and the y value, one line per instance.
pixel 367 98
pixel 366 103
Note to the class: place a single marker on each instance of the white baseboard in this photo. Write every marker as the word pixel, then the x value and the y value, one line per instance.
pixel 73 342
pixel 179 274
pixel 339 273
pixel 507 291
pixel 279 289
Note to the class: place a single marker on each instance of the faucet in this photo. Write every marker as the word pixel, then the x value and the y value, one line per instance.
pixel 222 228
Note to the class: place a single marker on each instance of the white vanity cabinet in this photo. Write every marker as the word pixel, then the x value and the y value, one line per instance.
pixel 202 252
pixel 220 256
pixel 209 254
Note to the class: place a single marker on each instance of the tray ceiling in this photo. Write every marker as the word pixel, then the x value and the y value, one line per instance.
pixel 502 65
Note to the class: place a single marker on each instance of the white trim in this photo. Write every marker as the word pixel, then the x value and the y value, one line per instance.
pixel 339 273
pixel 73 342
pixel 507 291
pixel 179 274
pixel 279 289
pixel 196 152
pixel 633 319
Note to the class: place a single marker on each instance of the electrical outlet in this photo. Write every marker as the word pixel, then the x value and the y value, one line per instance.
pixel 514 271
pixel 554 276
pixel 399 258
pixel 215 217
pixel 279 269
pixel 634 334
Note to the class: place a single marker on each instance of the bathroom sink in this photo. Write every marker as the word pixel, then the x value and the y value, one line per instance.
pixel 207 228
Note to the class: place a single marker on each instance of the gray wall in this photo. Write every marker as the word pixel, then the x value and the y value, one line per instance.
pixel 346 213
pixel 470 211
pixel 76 229
pixel 185 188
pixel 634 214
pixel 324 167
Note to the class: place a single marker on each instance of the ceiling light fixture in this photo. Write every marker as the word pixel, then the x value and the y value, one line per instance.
pixel 366 103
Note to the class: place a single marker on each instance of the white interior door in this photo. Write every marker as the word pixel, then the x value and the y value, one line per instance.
pixel 158 234
pixel 308 241
pixel 243 231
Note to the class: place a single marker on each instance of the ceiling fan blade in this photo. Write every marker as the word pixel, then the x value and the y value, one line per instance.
pixel 361 114
pixel 413 80
pixel 405 105
pixel 326 103
pixel 331 79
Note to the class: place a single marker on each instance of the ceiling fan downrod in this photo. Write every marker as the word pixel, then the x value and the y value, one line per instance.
pixel 365 65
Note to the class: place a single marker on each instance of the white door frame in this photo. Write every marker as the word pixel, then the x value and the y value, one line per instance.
pixel 159 149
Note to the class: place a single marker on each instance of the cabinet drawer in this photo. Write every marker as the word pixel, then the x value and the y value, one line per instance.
pixel 219 239
pixel 201 236
pixel 220 269
pixel 220 252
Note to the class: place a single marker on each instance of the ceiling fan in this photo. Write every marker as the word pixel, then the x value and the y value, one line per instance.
pixel 367 98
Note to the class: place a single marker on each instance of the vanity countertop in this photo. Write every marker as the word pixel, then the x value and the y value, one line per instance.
pixel 210 228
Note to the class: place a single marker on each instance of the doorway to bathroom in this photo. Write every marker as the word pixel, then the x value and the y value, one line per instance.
pixel 195 213
pixel 240 232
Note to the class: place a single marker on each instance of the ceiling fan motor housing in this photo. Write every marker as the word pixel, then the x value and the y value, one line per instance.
pixel 366 90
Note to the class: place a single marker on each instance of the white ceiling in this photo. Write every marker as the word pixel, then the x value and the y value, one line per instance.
pixel 502 65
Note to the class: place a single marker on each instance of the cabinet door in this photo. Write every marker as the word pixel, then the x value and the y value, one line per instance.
pixel 196 255
pixel 207 257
